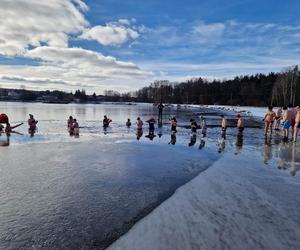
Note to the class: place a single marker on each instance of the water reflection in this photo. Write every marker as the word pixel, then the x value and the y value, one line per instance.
pixel 202 141
pixel 239 143
pixel 31 132
pixel 173 139
pixel 286 155
pixel 4 139
pixel 139 133
pixel 150 135
pixel 221 145
pixel 193 139
pixel 267 150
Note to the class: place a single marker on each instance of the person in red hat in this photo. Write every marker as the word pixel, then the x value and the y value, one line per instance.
pixel 240 123
pixel 4 118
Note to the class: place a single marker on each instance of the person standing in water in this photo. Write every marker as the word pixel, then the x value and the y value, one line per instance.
pixel 70 124
pixel 160 113
pixel 151 122
pixel 297 125
pixel 193 126
pixel 32 123
pixel 128 123
pixel 106 121
pixel 223 126
pixel 173 125
pixel 287 122
pixel 240 123
pixel 75 128
pixel 139 123
pixel 139 128
pixel 203 125
pixel 278 118
pixel 269 119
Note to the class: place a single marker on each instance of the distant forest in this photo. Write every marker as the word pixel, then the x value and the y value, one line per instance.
pixel 256 90
pixel 276 89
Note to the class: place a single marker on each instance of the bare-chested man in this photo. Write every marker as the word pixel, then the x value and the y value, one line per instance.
pixel 269 119
pixel 287 122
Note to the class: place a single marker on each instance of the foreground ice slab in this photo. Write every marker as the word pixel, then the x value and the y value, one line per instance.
pixel 238 203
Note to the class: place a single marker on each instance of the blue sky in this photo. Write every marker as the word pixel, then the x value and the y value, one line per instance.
pixel 124 45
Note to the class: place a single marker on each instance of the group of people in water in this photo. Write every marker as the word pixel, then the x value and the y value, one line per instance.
pixel 287 117
pixel 32 124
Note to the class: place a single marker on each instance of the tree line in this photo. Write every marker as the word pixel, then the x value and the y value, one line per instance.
pixel 255 90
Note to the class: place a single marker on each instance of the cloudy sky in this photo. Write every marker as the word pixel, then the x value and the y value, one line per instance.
pixel 124 45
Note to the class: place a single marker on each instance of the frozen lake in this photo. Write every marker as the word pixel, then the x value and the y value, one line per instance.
pixel 58 191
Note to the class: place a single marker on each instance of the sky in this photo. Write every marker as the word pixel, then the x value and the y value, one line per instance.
pixel 125 45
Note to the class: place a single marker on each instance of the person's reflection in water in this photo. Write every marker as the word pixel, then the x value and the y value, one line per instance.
pixel 31 132
pixel 160 131
pixel 221 145
pixel 151 135
pixel 239 143
pixel 202 139
pixel 193 139
pixel 173 139
pixel 6 141
pixel 277 138
pixel 295 162
pixel 289 157
pixel 284 154
pixel 139 133
pixel 267 153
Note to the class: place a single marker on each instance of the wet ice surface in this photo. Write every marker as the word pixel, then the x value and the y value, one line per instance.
pixel 58 191
pixel 238 203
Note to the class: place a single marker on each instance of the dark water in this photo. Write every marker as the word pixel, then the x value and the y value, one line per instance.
pixel 61 192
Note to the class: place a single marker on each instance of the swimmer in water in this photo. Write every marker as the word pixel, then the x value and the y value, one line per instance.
pixel 128 123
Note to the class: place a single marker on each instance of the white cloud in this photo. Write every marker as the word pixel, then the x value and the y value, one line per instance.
pixel 43 34
pixel 111 34
pixel 72 67
pixel 30 22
